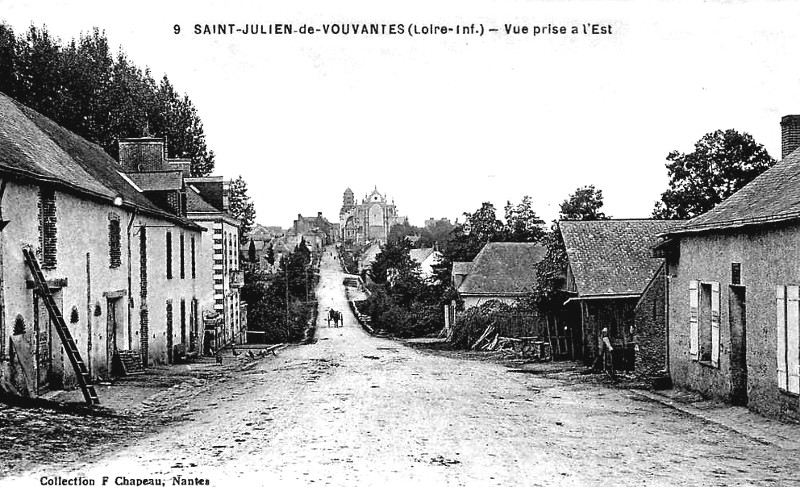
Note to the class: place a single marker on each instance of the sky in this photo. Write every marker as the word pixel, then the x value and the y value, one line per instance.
pixel 441 123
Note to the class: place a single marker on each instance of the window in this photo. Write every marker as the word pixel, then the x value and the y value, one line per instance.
pixel 169 255
pixel 183 259
pixel 183 321
pixel 704 322
pixel 194 268
pixel 114 242
pixel 47 227
pixel 788 338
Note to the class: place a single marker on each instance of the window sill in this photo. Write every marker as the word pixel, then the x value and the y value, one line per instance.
pixel 788 393
pixel 707 363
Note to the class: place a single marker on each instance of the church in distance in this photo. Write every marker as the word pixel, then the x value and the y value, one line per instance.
pixel 368 221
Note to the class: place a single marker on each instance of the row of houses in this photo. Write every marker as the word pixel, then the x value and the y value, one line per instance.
pixel 140 258
pixel 714 301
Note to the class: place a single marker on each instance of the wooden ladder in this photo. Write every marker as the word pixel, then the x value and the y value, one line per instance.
pixel 78 364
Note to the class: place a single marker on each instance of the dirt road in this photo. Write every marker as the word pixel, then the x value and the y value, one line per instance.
pixel 358 410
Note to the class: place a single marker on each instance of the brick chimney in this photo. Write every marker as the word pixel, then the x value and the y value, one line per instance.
pixel 790 134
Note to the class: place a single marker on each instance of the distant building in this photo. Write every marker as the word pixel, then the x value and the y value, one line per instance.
pixel 426 258
pixel 431 222
pixel 504 271
pixel 368 221
pixel 313 227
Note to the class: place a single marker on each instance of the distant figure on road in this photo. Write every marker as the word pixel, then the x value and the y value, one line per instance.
pixel 604 358
pixel 331 316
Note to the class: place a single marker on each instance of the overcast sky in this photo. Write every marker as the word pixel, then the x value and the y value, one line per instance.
pixel 443 123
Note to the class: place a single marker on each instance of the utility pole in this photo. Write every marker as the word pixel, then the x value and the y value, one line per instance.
pixel 286 275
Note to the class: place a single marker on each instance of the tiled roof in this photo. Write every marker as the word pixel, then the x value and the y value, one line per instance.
pixel 196 204
pixel 157 180
pixel 462 268
pixel 35 147
pixel 503 268
pixel 773 196
pixel 369 255
pixel 419 255
pixel 613 257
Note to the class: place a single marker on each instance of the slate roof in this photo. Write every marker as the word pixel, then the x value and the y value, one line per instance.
pixel 157 180
pixel 773 196
pixel 613 257
pixel 503 268
pixel 34 147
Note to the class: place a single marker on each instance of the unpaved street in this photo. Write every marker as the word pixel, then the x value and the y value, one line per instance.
pixel 358 410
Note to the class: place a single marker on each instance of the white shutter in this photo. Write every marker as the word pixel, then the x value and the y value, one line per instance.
pixel 715 324
pixel 781 335
pixel 694 329
pixel 793 338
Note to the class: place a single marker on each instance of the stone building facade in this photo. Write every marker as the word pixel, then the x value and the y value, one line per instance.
pixel 734 292
pixel 118 264
pixel 368 221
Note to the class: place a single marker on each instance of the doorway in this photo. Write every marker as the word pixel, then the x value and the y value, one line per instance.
pixel 115 329
pixel 47 345
pixel 738 326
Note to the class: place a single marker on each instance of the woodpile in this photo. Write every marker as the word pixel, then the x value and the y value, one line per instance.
pixel 525 347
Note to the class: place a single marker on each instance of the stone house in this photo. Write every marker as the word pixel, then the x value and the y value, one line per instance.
pixel 504 271
pixel 609 266
pixel 459 272
pixel 118 263
pixel 204 201
pixel 426 258
pixel 315 228
pixel 733 292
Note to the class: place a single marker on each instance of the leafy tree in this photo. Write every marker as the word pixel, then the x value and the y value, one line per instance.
pixel 400 231
pixel 251 252
pixel 721 163
pixel 240 207
pixel 395 256
pixel 548 292
pixel 9 59
pixel 436 235
pixel 522 223
pixel 270 255
pixel 483 224
pixel 583 204
pixel 85 88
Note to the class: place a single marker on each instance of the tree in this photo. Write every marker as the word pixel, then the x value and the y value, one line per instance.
pixel 396 256
pixel 583 204
pixel 251 252
pixel 270 255
pixel 721 163
pixel 483 224
pixel 400 231
pixel 241 208
pixel 522 223
pixel 86 89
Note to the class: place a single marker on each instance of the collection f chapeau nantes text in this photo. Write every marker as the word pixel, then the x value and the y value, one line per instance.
pixel 379 29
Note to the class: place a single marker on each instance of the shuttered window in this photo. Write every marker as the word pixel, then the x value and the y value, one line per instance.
pixel 788 338
pixel 694 316
pixel 704 320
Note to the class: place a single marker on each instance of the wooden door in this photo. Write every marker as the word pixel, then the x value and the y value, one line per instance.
pixel 738 326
